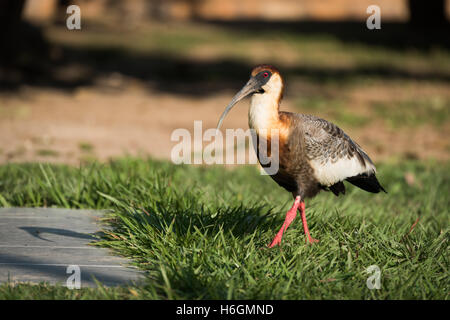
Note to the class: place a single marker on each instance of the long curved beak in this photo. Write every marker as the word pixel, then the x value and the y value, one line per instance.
pixel 250 87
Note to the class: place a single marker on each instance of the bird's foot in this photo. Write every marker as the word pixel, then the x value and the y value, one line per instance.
pixel 276 240
pixel 290 216
pixel 311 240
pixel 308 239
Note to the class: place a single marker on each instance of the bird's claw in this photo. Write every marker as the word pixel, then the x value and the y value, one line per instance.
pixel 311 240
pixel 275 241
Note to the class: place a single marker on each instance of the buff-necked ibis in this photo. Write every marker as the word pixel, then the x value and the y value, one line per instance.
pixel 314 154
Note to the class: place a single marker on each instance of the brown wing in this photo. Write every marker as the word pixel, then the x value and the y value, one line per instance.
pixel 333 155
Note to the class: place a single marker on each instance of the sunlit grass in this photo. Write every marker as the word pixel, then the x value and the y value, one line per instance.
pixel 434 111
pixel 196 40
pixel 332 109
pixel 201 233
pixel 47 153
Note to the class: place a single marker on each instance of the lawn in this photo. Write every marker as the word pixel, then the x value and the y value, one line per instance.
pixel 202 232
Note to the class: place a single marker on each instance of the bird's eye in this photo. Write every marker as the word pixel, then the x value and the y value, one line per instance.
pixel 265 74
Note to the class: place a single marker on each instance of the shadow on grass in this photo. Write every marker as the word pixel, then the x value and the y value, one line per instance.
pixel 169 245
pixel 393 35
pixel 176 74
pixel 239 220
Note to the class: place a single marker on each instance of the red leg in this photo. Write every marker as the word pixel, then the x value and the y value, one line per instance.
pixel 305 225
pixel 290 216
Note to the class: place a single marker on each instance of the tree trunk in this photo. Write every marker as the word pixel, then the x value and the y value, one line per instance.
pixel 427 13
pixel 10 15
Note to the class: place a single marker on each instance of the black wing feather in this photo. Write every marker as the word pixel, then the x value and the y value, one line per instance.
pixel 366 182
pixel 337 188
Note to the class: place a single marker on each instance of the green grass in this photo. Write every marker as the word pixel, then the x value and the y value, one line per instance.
pixel 283 48
pixel 433 110
pixel 201 233
pixel 86 147
pixel 47 291
pixel 47 153
pixel 413 113
pixel 333 109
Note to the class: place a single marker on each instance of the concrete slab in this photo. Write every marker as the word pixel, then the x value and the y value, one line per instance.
pixel 39 244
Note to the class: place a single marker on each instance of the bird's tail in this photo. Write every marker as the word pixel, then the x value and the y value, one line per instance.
pixel 367 182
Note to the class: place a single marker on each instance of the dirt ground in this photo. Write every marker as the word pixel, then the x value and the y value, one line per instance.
pixel 110 91
pixel 125 117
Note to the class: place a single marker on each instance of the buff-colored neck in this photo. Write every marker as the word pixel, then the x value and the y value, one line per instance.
pixel 264 107
pixel 263 112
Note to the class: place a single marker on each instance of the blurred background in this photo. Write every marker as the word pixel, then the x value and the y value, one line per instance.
pixel 139 69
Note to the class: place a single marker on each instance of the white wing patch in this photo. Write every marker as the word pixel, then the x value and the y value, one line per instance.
pixel 329 173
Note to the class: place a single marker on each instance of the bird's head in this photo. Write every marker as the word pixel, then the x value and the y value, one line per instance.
pixel 264 79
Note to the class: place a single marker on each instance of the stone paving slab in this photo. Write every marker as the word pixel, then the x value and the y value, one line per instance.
pixel 38 244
